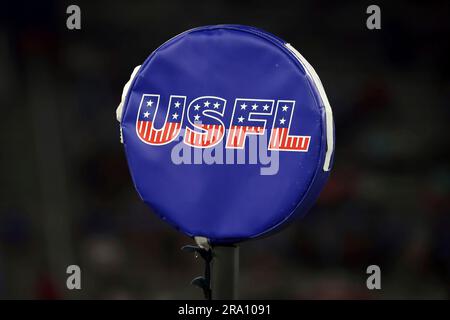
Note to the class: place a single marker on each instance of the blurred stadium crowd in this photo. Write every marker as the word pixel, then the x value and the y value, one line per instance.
pixel 67 197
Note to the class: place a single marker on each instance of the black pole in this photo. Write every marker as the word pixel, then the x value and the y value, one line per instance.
pixel 225 272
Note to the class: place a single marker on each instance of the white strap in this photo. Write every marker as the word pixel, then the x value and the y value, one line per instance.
pixel 202 242
pixel 119 109
pixel 328 113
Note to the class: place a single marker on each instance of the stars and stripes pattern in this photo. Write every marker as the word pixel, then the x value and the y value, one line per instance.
pixel 203 114
pixel 249 116
pixel 212 133
pixel 148 113
pixel 245 120
pixel 280 138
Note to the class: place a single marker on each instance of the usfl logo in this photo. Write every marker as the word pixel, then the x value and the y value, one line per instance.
pixel 205 127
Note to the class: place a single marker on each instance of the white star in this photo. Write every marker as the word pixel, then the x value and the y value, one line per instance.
pixel 196 107
pixel 207 103
pixel 175 116
pixel 254 107
pixel 265 107
pixel 216 105
pixel 149 103
pixel 197 117
pixel 243 106
pixel 146 114
pixel 285 107
pixel 241 119
pixel 282 120
pixel 177 104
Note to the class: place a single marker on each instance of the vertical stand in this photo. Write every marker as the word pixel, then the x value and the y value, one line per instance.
pixel 221 277
pixel 225 272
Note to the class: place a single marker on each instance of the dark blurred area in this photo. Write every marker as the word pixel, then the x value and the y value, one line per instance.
pixel 67 196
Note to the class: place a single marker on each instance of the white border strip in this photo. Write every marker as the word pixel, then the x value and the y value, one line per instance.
pixel 119 109
pixel 328 113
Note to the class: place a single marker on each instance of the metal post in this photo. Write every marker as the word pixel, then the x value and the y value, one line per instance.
pixel 225 272
pixel 55 215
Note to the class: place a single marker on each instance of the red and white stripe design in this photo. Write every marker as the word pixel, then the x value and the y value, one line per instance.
pixel 281 140
pixel 213 134
pixel 237 134
pixel 157 137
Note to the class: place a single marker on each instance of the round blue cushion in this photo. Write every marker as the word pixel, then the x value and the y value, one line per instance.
pixel 212 73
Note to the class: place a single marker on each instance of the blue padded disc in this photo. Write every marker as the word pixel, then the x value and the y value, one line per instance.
pixel 228 133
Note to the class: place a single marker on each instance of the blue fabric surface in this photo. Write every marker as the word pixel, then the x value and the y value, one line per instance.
pixel 225 202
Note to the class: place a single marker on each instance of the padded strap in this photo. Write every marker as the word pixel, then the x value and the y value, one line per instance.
pixel 119 109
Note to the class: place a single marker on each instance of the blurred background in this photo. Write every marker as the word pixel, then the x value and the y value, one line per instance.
pixel 67 196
